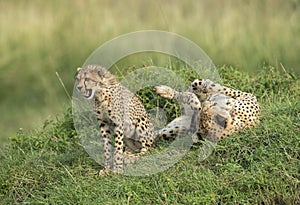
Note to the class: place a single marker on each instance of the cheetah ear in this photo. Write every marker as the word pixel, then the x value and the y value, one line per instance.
pixel 78 69
pixel 100 73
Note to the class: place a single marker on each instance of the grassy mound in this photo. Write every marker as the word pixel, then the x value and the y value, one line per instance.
pixel 257 166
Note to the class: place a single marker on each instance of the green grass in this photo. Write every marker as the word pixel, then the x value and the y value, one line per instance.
pixel 39 38
pixel 257 166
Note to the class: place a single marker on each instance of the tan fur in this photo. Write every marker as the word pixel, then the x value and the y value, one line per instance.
pixel 220 111
pixel 116 109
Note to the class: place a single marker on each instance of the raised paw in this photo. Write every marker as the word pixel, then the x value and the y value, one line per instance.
pixel 165 91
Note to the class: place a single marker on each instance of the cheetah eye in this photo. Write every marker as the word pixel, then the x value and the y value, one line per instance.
pixel 87 79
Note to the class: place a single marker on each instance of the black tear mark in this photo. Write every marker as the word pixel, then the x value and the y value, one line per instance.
pixel 220 120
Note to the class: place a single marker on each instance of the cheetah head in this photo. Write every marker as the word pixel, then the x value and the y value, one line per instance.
pixel 91 79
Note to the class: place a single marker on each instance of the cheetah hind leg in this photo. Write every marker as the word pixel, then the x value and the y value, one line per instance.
pixel 178 126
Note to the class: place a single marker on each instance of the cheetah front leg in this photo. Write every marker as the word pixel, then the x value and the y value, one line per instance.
pixel 106 137
pixel 119 149
pixel 117 165
pixel 188 98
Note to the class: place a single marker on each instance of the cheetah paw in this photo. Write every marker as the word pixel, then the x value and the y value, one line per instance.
pixel 164 91
pixel 104 172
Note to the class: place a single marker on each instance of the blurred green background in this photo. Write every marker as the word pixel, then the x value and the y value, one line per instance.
pixel 39 38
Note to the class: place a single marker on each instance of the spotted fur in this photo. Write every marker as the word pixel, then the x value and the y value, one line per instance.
pixel 218 111
pixel 120 114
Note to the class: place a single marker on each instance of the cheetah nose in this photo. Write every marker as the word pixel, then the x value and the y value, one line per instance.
pixel 79 88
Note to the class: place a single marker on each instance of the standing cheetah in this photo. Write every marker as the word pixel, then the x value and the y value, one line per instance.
pixel 218 110
pixel 118 111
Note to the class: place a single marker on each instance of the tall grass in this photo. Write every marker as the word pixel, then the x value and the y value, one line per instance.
pixel 257 166
pixel 39 38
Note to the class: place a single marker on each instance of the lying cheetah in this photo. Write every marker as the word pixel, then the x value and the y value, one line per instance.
pixel 117 110
pixel 217 111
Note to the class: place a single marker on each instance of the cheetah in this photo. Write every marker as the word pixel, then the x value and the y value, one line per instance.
pixel 118 111
pixel 217 111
